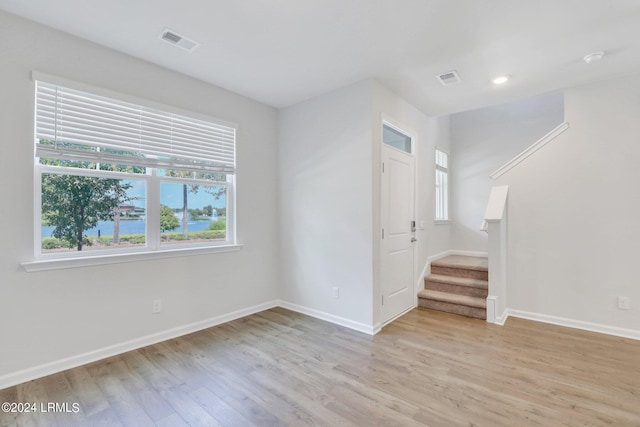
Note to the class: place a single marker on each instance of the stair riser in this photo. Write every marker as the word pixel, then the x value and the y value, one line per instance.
pixel 455 289
pixel 478 313
pixel 460 272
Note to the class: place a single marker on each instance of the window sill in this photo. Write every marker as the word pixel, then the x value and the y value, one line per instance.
pixel 87 261
pixel 443 222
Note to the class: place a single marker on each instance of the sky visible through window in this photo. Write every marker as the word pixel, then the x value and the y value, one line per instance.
pixel 171 195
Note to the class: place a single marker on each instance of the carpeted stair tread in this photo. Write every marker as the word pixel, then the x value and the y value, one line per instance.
pixel 462 310
pixel 453 298
pixel 457 284
pixel 457 281
pixel 463 262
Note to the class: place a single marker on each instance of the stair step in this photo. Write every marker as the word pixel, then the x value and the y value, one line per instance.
pixel 463 261
pixel 453 298
pixel 461 310
pixel 452 303
pixel 458 281
pixel 457 285
pixel 462 266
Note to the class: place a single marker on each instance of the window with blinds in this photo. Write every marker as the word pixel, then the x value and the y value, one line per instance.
pixel 442 186
pixel 86 127
pixel 117 176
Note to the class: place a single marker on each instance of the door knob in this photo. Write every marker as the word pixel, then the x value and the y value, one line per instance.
pixel 413 239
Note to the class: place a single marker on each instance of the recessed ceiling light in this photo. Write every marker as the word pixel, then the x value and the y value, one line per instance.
pixel 593 57
pixel 501 79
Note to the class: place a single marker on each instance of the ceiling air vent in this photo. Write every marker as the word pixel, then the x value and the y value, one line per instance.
pixel 449 78
pixel 176 39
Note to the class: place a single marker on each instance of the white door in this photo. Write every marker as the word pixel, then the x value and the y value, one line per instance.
pixel 398 230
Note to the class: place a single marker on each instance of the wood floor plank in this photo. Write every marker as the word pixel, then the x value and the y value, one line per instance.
pixel 173 420
pixel 126 405
pixel 281 368
pixel 88 394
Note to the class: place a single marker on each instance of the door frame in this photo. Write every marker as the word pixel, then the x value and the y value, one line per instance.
pixel 387 120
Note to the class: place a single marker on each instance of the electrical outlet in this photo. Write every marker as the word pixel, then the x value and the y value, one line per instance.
pixel 157 306
pixel 422 224
pixel 623 303
pixel 335 292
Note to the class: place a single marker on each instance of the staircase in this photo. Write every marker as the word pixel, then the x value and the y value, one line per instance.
pixel 457 284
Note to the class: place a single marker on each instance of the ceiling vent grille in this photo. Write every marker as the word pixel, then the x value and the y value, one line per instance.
pixel 449 78
pixel 176 39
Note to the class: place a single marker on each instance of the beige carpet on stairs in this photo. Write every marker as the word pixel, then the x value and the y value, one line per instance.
pixel 457 284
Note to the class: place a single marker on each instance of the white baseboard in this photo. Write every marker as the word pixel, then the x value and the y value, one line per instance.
pixel 468 253
pixel 501 319
pixel 437 256
pixel 491 308
pixel 357 326
pixel 427 266
pixel 425 272
pixel 378 326
pixel 571 323
pixel 40 371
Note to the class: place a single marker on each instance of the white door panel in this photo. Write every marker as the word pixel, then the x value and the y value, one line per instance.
pixel 398 174
pixel 397 247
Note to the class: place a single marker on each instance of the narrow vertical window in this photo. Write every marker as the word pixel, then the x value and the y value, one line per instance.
pixel 442 186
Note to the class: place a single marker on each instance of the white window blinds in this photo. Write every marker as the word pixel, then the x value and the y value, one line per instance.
pixel 76 125
pixel 442 159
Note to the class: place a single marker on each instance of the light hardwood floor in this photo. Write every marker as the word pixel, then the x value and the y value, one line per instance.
pixel 282 368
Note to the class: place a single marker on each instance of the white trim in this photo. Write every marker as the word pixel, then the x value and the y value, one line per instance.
pixel 492 315
pixel 572 323
pixel 529 151
pixel 420 282
pixel 40 371
pixel 425 272
pixel 387 120
pixel 86 261
pixel 378 326
pixel 347 323
pixel 468 253
pixel 437 256
pixel 497 204
pixel 491 309
pixel 445 197
pixel 500 321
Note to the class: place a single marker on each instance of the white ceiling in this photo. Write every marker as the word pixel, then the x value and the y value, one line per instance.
pixel 282 52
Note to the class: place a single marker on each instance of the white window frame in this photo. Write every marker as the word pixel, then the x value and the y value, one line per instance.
pixel 152 249
pixel 386 123
pixel 442 212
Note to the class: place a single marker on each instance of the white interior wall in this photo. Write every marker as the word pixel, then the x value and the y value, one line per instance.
pixel 482 141
pixel 329 162
pixel 51 315
pixel 573 228
pixel 325 161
